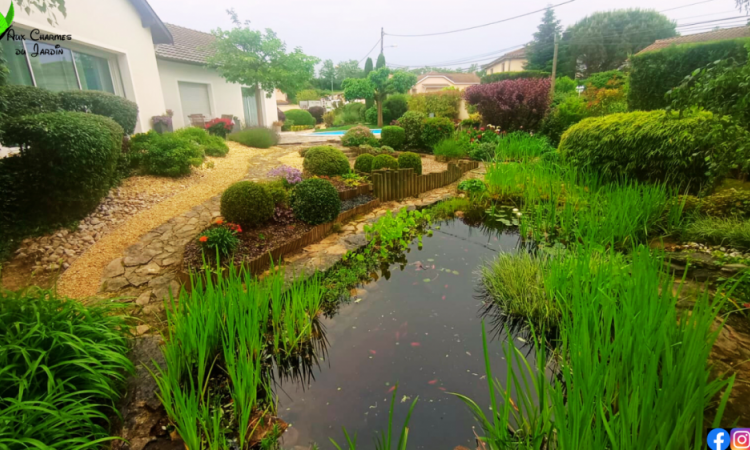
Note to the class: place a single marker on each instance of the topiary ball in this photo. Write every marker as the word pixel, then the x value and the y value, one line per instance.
pixel 315 201
pixel 357 136
pixel 246 203
pixel 384 162
pixel 410 160
pixel 393 136
pixel 364 163
pixel 326 161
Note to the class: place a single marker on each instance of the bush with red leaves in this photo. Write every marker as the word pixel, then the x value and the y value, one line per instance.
pixel 512 104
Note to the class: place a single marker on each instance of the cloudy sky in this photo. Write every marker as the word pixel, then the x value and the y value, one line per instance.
pixel 348 29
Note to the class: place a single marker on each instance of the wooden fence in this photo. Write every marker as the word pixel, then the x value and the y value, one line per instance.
pixel 388 185
pixel 359 190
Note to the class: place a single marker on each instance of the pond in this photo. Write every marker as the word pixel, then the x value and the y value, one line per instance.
pixel 418 325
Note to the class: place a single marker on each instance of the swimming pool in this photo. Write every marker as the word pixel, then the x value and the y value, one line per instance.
pixel 340 133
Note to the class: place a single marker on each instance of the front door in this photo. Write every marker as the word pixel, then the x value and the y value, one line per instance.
pixel 250 103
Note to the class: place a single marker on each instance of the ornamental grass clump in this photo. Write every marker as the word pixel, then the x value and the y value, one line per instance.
pixel 258 137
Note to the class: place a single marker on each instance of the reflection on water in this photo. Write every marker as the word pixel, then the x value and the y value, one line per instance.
pixel 419 327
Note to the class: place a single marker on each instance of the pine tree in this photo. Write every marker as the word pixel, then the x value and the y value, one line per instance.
pixel 541 51
pixel 381 61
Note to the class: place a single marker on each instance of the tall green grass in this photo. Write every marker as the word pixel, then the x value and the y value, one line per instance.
pixel 521 146
pixel 231 327
pixel 62 369
pixel 731 232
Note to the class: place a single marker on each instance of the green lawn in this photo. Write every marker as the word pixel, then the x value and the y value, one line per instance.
pixel 346 127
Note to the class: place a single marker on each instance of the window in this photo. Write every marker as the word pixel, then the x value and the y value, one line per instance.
pixel 69 70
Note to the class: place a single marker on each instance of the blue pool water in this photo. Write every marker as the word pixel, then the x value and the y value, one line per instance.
pixel 340 133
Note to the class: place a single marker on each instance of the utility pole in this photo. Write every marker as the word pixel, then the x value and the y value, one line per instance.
pixel 382 35
pixel 554 68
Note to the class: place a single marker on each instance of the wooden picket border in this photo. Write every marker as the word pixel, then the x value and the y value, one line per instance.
pixel 364 189
pixel 389 185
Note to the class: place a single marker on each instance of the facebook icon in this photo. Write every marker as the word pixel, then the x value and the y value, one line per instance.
pixel 718 439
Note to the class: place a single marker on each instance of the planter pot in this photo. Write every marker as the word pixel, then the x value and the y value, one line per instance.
pixel 277 129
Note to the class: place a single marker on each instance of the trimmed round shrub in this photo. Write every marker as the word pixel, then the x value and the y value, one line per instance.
pixel 413 122
pixel 258 137
pixel 246 203
pixel 356 136
pixel 325 160
pixel 364 163
pixel 26 100
pixel 410 160
pixel 393 136
pixel 69 160
pixel 300 117
pixel 119 109
pixel 315 201
pixel 384 162
pixel 435 130
pixel 317 112
pixel 695 151
pixel 170 155
pixel 385 149
pixel 210 144
pixel 279 195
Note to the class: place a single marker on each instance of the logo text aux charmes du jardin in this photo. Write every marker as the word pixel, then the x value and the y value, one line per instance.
pixel 36 35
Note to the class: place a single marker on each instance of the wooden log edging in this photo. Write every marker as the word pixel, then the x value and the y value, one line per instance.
pixel 360 190
pixel 389 185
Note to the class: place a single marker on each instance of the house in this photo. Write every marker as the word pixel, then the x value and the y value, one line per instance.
pixel 716 35
pixel 514 61
pixel 122 47
pixel 436 81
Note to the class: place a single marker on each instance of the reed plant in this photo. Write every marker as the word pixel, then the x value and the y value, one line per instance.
pixel 522 146
pixel 732 232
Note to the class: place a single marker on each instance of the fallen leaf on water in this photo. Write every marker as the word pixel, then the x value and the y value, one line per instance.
pixel 375 353
pixel 357 300
pixel 455 272
pixel 444 297
pixel 432 381
pixel 466 353
pixel 374 407
pixel 406 397
pixel 426 280
pixel 441 388
pixel 393 388
pixel 415 344
pixel 430 259
pixel 522 340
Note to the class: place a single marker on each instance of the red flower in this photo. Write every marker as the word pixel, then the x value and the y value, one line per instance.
pixel 471 140
pixel 481 129
pixel 746 305
pixel 203 239
pixel 219 221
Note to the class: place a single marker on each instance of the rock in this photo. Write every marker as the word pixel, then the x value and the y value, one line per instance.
pixel 53 267
pixel 138 260
pixel 137 279
pixel 114 269
pixel 336 250
pixel 145 298
pixel 150 269
pixel 162 281
pixel 69 253
pixel 115 284
pixel 153 308
pixel 140 330
pixel 734 268
pixel 164 292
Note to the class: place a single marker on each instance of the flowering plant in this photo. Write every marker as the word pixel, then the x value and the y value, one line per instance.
pixel 221 238
pixel 290 175
pixel 220 127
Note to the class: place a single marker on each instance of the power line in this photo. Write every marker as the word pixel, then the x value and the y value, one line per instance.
pixel 480 26
pixel 368 53
pixel 686 6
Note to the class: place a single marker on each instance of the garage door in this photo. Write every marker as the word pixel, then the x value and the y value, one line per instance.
pixel 195 100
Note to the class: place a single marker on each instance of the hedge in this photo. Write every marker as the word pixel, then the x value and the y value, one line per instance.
pixel 67 163
pixel 393 136
pixel 653 74
pixel 25 100
pixel 495 77
pixel 300 117
pixel 441 103
pixel 119 109
pixel 692 152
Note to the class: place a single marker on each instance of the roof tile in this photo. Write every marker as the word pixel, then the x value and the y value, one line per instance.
pixel 718 35
pixel 189 45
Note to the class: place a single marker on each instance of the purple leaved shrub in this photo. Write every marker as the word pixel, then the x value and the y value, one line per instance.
pixel 512 104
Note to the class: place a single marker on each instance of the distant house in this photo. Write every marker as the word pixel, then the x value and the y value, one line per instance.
pixel 436 81
pixel 510 62
pixel 717 35
pixel 190 87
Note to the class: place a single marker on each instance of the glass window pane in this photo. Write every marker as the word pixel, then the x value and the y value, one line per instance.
pixel 94 73
pixel 52 71
pixel 19 69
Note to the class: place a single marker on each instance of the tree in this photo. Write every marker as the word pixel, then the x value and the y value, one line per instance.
pixel 368 69
pixel 251 58
pixel 378 84
pixel 327 74
pixel 604 40
pixel 348 69
pixel 541 50
pixel 381 62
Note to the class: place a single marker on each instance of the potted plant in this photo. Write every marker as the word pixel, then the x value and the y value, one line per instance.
pixel 277 126
pixel 163 124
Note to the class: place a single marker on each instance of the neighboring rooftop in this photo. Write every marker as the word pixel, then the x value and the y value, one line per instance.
pixel 457 78
pixel 718 35
pixel 159 32
pixel 188 45
pixel 515 54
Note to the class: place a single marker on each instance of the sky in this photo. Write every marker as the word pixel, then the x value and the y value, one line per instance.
pixel 348 29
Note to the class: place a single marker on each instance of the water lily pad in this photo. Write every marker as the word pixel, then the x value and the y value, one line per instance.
pixel 426 280
pixel 455 272
pixel 430 259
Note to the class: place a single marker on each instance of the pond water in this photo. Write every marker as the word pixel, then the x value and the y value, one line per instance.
pixel 420 326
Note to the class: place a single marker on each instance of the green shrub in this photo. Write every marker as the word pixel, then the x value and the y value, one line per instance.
pixel 246 203
pixel 692 152
pixel 449 148
pixel 277 191
pixel 397 105
pixel 442 103
pixel 393 137
pixel 210 144
pixel 329 118
pixel 473 186
pixel 435 130
pixel 384 162
pixel 356 136
pixel 653 74
pixel 495 77
pixel 385 149
pixel 568 112
pixel 601 80
pixel 352 113
pixel 171 155
pixel 410 160
pixel 727 203
pixel 315 201
pixel 565 85
pixel 300 117
pixel 117 108
pixel 64 368
pixel 317 112
pixel 70 158
pixel 27 100
pixel 732 232
pixel 483 152
pixel 287 126
pixel 413 123
pixel 258 137
pixel 325 160
pixel 364 163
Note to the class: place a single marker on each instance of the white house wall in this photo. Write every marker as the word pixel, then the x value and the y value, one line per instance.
pixel 114 27
pixel 224 97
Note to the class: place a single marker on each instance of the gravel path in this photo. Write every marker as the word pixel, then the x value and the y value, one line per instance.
pixel 83 277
